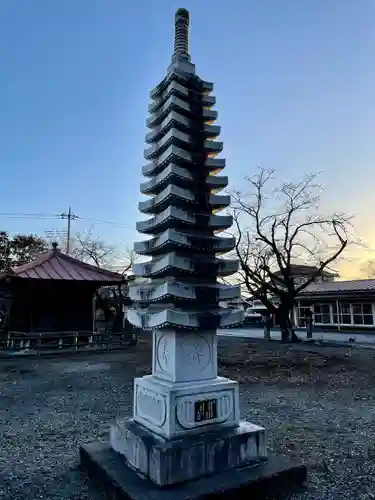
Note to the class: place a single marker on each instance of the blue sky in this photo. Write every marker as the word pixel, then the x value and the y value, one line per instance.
pixel 294 82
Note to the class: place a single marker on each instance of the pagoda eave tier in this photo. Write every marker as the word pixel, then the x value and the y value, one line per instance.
pixel 183 159
pixel 180 177
pixel 174 265
pixel 174 88
pixel 178 76
pixel 175 290
pixel 176 196
pixel 183 123
pixel 173 216
pixel 171 240
pixel 180 139
pixel 174 103
pixel 192 320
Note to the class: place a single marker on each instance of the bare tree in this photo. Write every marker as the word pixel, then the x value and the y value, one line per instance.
pixel 93 250
pixel 369 269
pixel 280 226
pixel 89 248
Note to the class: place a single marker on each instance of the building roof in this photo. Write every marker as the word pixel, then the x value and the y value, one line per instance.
pixel 325 287
pixel 55 265
pixel 300 269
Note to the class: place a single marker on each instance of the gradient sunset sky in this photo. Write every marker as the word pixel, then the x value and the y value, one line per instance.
pixel 295 88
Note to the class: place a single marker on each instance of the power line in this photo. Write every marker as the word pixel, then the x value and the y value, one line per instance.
pixel 22 214
pixel 59 234
pixel 28 216
pixel 39 216
pixel 116 224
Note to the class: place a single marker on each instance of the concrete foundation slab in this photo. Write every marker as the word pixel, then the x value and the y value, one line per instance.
pixel 111 474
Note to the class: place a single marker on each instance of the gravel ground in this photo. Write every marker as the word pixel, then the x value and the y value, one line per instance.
pixel 317 403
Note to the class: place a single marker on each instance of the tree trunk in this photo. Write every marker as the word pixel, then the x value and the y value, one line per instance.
pixel 309 328
pixel 267 333
pixel 267 328
pixel 295 337
pixel 118 322
pixel 131 333
pixel 286 326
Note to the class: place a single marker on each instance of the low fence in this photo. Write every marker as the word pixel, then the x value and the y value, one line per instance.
pixel 46 342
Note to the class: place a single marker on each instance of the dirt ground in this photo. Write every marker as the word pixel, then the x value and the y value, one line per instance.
pixel 317 403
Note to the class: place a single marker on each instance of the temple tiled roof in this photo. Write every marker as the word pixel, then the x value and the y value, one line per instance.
pixel 367 285
pixel 55 265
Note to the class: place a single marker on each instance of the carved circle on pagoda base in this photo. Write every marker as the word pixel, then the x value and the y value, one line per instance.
pixel 188 349
pixel 195 351
pixel 164 353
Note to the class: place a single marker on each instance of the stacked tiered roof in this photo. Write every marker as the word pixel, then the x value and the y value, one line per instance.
pixel 182 183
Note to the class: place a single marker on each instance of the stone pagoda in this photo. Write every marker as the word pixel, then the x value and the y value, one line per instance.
pixel 186 418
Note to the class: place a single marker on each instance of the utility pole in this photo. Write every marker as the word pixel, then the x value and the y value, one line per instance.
pixel 69 216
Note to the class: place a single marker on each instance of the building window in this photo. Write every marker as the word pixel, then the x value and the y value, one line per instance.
pixel 301 315
pixel 345 313
pixel 335 316
pixel 322 314
pixel 362 314
pixel 340 313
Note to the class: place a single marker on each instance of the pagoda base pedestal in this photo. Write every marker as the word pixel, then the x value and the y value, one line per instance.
pixel 170 461
pixel 225 463
pixel 173 409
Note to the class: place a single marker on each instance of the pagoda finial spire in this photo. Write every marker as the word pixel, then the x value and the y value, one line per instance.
pixel 181 35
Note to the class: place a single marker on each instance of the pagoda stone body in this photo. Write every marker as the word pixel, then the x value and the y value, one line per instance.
pixel 179 302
